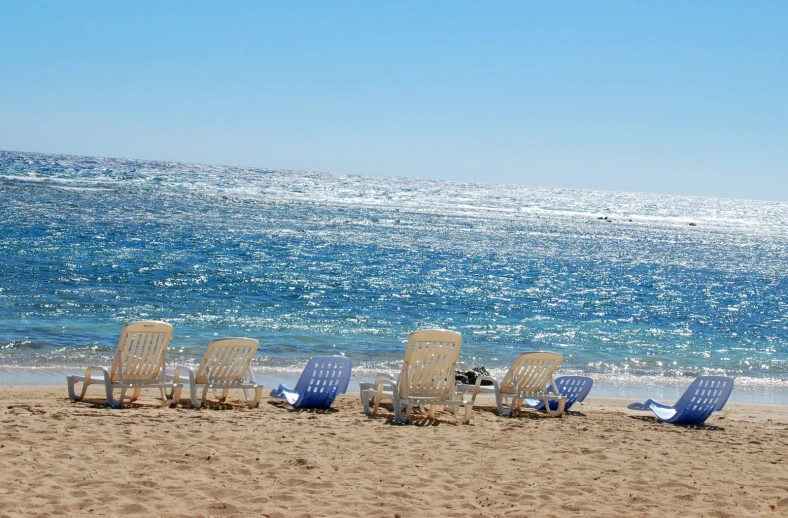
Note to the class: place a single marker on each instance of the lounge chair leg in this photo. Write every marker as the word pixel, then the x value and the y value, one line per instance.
pixel 86 381
pixel 193 393
pixel 559 411
pixel 398 410
pixel 252 396
pixel 255 401
pixel 223 397
pixel 201 402
pixel 517 405
pixel 499 401
pixel 85 384
pixel 170 396
pixel 111 401
pixel 72 395
pixel 431 412
pixel 175 397
pixel 468 413
pixel 365 401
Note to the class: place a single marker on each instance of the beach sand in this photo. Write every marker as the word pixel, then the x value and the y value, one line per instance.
pixel 83 459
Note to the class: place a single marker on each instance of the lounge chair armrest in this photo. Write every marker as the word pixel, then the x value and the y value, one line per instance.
pixel 189 372
pixel 478 384
pixel 385 380
pixel 86 380
pixel 89 371
pixel 384 377
pixel 553 386
pixel 391 385
pixel 250 375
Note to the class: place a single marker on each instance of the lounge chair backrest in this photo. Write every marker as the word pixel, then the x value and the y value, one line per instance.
pixel 140 353
pixel 575 388
pixel 324 377
pixel 226 360
pixel 531 372
pixel 705 395
pixel 430 363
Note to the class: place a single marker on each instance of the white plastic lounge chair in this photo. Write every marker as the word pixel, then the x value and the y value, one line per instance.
pixel 527 379
pixel 225 366
pixel 575 388
pixel 138 364
pixel 324 377
pixel 427 378
pixel 705 395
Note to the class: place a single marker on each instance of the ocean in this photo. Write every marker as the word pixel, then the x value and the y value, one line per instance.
pixel 632 289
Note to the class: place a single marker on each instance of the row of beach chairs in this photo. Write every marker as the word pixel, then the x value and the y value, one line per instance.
pixel 139 364
pixel 426 382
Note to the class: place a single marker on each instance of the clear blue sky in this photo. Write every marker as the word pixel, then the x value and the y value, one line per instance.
pixel 663 97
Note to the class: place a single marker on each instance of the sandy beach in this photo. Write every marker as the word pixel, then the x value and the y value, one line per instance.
pixel 81 459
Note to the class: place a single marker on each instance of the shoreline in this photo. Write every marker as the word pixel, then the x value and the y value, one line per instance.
pixel 631 388
pixel 600 459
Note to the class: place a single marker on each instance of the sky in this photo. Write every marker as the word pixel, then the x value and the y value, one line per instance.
pixel 671 97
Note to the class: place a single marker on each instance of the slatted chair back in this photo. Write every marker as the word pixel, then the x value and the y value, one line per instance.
pixel 430 364
pixel 324 377
pixel 226 360
pixel 140 353
pixel 705 395
pixel 530 373
pixel 574 388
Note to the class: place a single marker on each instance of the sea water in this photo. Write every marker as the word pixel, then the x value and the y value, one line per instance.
pixel 632 289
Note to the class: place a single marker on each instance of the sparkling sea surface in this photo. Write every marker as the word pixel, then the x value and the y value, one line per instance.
pixel 633 289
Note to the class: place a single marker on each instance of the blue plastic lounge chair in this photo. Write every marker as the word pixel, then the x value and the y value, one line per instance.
pixel 575 388
pixel 705 395
pixel 323 378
